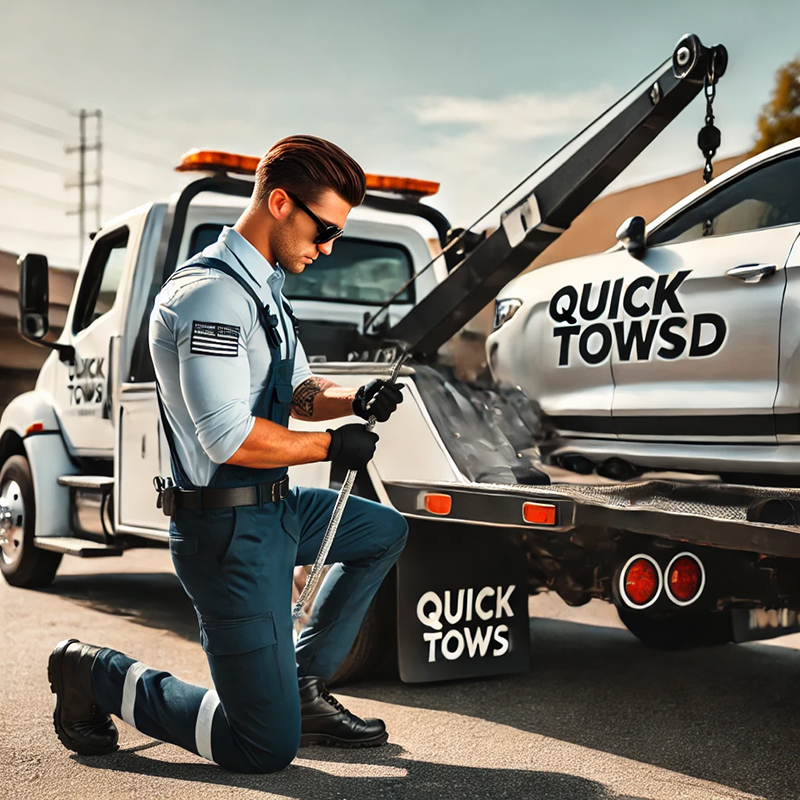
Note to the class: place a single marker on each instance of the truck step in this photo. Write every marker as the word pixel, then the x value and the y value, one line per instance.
pixel 99 483
pixel 71 546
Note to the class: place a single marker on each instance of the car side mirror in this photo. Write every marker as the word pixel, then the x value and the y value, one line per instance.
pixel 34 301
pixel 631 234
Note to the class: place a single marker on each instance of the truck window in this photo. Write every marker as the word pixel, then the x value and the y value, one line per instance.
pixel 763 198
pixel 357 271
pixel 101 279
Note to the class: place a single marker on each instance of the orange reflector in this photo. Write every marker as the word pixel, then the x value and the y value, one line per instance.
pixel 204 160
pixel 684 578
pixel 387 183
pixel 539 513
pixel 438 503
pixel 641 581
pixel 37 427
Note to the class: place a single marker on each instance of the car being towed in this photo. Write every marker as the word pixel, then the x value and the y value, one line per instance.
pixel 679 348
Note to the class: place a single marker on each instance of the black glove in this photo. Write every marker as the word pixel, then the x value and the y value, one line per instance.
pixel 352 446
pixel 378 399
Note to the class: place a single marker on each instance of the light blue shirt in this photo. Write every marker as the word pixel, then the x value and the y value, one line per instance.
pixel 210 353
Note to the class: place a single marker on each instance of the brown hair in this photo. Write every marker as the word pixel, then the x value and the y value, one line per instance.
pixel 307 166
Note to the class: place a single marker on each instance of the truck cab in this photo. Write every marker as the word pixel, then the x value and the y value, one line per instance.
pixel 90 433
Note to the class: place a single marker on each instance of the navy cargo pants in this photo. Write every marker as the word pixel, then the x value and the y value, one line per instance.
pixel 236 565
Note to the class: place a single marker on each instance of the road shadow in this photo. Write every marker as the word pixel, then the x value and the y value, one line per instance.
pixel 404 778
pixel 729 714
pixel 154 599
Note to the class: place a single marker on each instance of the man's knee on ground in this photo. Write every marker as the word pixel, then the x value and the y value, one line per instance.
pixel 262 762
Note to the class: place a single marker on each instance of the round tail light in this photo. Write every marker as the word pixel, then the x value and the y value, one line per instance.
pixel 640 581
pixel 686 578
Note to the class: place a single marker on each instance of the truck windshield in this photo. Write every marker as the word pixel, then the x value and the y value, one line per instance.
pixel 359 271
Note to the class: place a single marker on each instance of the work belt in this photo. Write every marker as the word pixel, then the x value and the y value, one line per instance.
pixel 173 498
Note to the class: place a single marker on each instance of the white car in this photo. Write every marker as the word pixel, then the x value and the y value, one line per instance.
pixel 679 348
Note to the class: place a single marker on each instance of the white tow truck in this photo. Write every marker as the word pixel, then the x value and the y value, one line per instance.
pixel 680 560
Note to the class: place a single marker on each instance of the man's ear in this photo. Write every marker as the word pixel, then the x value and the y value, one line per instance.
pixel 279 204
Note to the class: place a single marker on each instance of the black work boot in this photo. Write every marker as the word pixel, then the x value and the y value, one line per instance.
pixel 80 724
pixel 326 721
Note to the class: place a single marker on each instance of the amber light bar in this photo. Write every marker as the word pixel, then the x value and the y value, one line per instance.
pixel 205 160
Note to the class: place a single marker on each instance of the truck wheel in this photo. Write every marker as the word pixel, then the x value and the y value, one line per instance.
pixel 374 650
pixel 21 563
pixel 679 631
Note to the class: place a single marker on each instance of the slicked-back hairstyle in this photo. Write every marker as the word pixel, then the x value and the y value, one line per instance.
pixel 307 166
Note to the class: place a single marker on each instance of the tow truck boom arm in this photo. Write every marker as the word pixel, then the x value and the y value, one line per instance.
pixel 547 211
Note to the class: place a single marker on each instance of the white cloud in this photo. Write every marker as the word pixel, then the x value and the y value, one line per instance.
pixel 517 117
pixel 479 148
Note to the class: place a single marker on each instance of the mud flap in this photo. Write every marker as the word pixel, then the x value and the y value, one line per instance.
pixel 462 603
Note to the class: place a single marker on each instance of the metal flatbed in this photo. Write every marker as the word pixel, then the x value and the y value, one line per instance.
pixel 703 513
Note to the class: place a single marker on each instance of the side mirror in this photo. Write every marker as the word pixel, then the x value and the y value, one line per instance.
pixel 34 282
pixel 631 234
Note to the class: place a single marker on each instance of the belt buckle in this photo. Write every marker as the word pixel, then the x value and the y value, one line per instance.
pixel 280 489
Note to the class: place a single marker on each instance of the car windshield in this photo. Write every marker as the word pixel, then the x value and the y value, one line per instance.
pixel 359 271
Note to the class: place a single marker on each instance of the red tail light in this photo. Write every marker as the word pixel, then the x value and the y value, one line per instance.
pixel 686 578
pixel 640 581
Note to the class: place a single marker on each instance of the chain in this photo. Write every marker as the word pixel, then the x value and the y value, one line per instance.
pixel 709 137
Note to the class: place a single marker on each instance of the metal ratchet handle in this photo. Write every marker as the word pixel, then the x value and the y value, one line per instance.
pixel 314 577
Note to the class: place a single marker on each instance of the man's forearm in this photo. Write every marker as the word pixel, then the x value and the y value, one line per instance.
pixel 269 445
pixel 320 399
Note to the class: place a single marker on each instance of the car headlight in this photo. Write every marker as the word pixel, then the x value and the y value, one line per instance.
pixel 504 310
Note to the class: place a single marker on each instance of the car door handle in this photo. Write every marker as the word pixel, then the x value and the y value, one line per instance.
pixel 751 273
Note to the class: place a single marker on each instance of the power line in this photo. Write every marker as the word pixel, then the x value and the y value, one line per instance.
pixel 84 147
pixel 120 184
pixel 35 127
pixel 129 152
pixel 45 234
pixel 147 134
pixel 25 193
pixel 33 94
pixel 35 163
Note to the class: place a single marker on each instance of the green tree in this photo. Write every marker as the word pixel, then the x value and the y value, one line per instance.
pixel 779 120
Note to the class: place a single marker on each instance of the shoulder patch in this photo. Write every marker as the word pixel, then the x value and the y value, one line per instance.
pixel 215 339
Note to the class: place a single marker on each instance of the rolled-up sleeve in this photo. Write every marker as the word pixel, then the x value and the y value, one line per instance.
pixel 210 326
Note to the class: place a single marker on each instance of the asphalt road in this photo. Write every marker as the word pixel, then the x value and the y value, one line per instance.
pixel 597 717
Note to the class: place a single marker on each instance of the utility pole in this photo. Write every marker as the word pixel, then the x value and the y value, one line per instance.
pixel 82 183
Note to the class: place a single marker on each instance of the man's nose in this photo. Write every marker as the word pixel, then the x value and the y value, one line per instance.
pixel 326 248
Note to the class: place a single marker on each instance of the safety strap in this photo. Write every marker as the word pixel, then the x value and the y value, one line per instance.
pixel 268 321
pixel 173 452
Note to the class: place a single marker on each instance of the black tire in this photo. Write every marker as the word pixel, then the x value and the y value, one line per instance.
pixel 679 630
pixel 374 651
pixel 21 563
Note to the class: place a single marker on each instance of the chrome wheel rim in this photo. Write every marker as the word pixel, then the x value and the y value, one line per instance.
pixel 12 522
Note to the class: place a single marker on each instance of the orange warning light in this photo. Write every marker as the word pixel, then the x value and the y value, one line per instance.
pixel 539 513
pixel 438 503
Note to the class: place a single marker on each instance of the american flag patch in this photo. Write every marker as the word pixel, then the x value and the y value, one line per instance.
pixel 215 339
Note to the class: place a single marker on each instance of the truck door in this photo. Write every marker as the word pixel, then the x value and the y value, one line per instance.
pixel 697 338
pixel 82 390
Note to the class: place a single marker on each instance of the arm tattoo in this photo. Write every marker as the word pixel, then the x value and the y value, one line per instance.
pixel 305 395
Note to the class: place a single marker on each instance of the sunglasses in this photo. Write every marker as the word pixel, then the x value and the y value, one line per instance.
pixel 326 232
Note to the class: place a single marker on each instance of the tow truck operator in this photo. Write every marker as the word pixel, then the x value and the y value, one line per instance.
pixel 219 325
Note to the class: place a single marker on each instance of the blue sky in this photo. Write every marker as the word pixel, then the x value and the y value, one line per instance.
pixel 473 94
